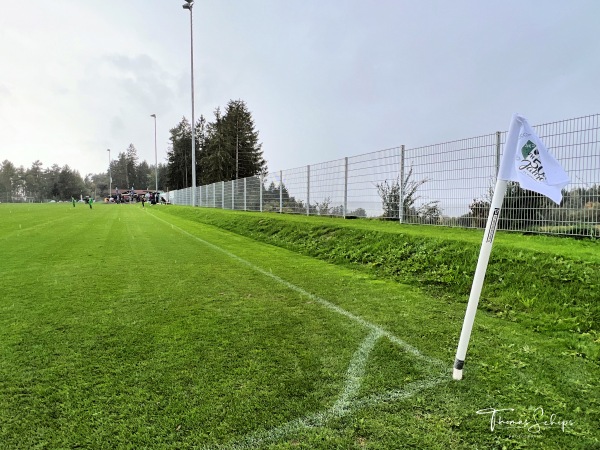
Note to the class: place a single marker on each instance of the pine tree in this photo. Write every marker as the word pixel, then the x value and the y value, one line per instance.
pixel 179 163
pixel 7 175
pixel 216 162
pixel 34 181
pixel 242 139
pixel 230 147
pixel 132 165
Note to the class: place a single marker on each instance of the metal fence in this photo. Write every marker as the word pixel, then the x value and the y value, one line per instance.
pixel 444 184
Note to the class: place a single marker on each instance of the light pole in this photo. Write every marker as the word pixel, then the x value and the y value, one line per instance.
pixel 155 156
pixel 188 5
pixel 109 177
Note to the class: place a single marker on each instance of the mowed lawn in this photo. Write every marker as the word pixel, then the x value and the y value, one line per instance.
pixel 127 327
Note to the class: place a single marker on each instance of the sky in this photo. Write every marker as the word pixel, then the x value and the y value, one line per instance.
pixel 323 79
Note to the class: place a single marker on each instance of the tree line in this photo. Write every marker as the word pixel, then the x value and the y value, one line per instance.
pixel 38 184
pixel 578 212
pixel 226 148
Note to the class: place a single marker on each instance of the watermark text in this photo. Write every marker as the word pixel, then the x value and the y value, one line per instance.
pixel 533 422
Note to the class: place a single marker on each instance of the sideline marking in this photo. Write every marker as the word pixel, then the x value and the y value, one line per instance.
pixel 347 402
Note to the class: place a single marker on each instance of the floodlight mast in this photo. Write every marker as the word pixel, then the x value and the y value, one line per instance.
pixel 155 156
pixel 188 5
pixel 109 176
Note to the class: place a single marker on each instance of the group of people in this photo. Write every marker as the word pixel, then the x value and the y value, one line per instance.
pixel 130 197
pixel 153 197
pixel 87 200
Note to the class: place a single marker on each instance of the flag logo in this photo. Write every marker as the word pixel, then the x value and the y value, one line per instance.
pixel 531 164
pixel 527 161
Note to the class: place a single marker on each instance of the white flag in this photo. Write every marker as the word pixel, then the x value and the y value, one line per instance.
pixel 527 161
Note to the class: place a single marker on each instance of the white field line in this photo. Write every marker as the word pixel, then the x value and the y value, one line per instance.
pixel 347 401
pixel 354 375
pixel 320 419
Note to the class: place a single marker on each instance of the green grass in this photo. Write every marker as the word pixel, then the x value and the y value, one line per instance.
pixel 124 327
pixel 543 282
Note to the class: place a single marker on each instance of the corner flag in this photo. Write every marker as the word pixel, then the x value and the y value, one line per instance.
pixel 526 161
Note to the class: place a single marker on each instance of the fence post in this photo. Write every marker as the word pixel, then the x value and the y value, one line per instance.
pixel 245 194
pixel 233 195
pixel 261 192
pixel 308 190
pixel 200 195
pixel 222 194
pixel 214 195
pixel 280 191
pixel 401 187
pixel 497 152
pixel 345 187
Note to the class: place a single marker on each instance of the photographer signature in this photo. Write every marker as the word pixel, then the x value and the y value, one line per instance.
pixel 534 423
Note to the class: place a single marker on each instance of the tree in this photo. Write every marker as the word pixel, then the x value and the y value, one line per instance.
pixel 521 208
pixel 100 182
pixel 52 182
pixel 144 177
pixel 359 212
pixel 180 151
pixel 323 207
pixel 8 173
pixel 60 183
pixel 390 197
pixel 429 213
pixel 580 205
pixel 124 169
pixel 35 182
pixel 70 184
pixel 230 146
pixel 131 164
pixel 217 161
pixel 90 184
pixel 163 170
pixel 479 209
pixel 118 170
pixel 242 139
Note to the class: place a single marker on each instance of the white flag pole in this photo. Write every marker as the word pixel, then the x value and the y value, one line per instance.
pixel 486 249
pixel 482 263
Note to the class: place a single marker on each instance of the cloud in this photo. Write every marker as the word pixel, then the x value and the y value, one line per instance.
pixel 117 127
pixel 5 92
pixel 139 79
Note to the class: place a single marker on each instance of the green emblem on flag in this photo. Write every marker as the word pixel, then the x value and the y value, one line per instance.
pixel 527 149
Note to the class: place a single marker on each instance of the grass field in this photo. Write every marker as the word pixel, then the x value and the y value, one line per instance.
pixel 162 328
